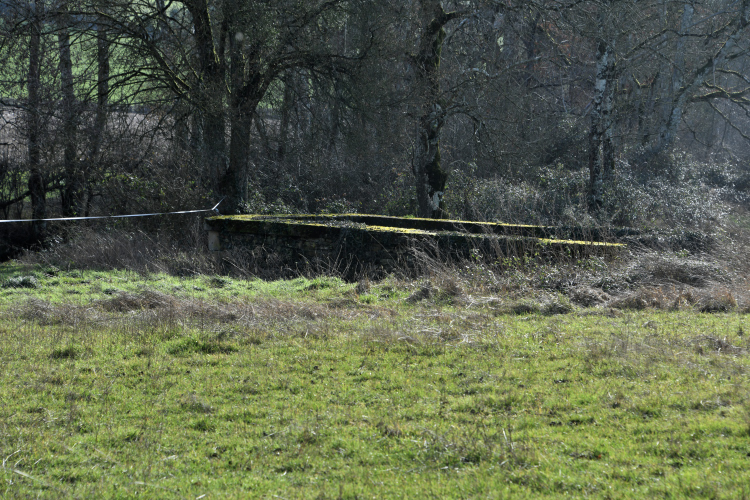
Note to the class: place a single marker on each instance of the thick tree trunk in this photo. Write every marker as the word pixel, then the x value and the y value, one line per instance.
pixel 430 176
pixel 244 99
pixel 234 182
pixel 36 178
pixel 213 148
pixel 428 171
pixel 72 192
pixel 211 95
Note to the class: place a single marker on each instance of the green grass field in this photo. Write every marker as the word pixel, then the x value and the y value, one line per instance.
pixel 118 385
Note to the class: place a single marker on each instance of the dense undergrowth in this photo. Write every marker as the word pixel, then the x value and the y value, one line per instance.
pixel 675 191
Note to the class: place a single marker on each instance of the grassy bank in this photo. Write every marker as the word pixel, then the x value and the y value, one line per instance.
pixel 120 385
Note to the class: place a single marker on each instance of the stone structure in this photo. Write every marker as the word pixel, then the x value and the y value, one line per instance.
pixel 355 242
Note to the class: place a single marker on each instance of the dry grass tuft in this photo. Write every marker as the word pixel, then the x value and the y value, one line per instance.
pixel 648 270
pixel 251 312
pixel 671 298
pixel 46 313
pixel 643 298
pixel 652 268
pixel 703 344
pixel 519 307
pixel 381 335
pixel 607 312
pixel 451 287
pixel 21 282
pixel 137 251
pixel 147 299
pixel 389 430
pixel 225 313
pixel 151 309
pixel 363 286
pixel 194 403
pixel 587 296
pixel 548 306
pixel 425 291
pixel 557 305
pixel 718 301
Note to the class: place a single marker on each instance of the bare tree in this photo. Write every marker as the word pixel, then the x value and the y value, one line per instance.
pixel 240 49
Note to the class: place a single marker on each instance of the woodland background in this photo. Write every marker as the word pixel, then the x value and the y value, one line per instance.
pixel 629 112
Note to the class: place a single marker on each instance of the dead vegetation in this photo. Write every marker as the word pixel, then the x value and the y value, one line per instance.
pixel 147 299
pixel 713 282
pixel 154 306
pixel 638 351
pixel 47 313
pixel 640 280
pixel 135 250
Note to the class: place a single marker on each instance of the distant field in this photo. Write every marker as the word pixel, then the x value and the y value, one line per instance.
pixel 120 385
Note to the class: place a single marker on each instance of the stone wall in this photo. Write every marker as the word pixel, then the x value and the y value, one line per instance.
pixel 352 244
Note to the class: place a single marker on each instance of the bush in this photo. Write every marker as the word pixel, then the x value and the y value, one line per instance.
pixel 21 282
pixel 678 193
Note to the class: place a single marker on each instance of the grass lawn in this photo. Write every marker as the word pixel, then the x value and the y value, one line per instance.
pixel 118 385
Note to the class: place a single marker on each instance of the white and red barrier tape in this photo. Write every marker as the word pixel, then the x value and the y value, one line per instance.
pixel 214 209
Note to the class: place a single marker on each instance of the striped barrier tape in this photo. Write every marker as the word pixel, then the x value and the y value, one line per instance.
pixel 214 209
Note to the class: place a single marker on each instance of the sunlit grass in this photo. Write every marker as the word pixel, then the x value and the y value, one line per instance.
pixel 169 387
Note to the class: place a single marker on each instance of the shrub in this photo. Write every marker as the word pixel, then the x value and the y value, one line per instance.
pixel 21 282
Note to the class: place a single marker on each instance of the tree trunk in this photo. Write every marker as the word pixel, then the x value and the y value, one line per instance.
pixel 431 178
pixel 334 120
pixel 601 147
pixel 531 44
pixel 72 192
pixel 428 171
pixel 36 178
pixel 102 91
pixel 211 95
pixel 234 181
pixel 196 130
pixel 668 130
pixel 244 99
pixel 100 118
pixel 286 108
pixel 213 147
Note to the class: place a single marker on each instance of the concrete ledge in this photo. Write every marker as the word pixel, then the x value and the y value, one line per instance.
pixel 360 241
